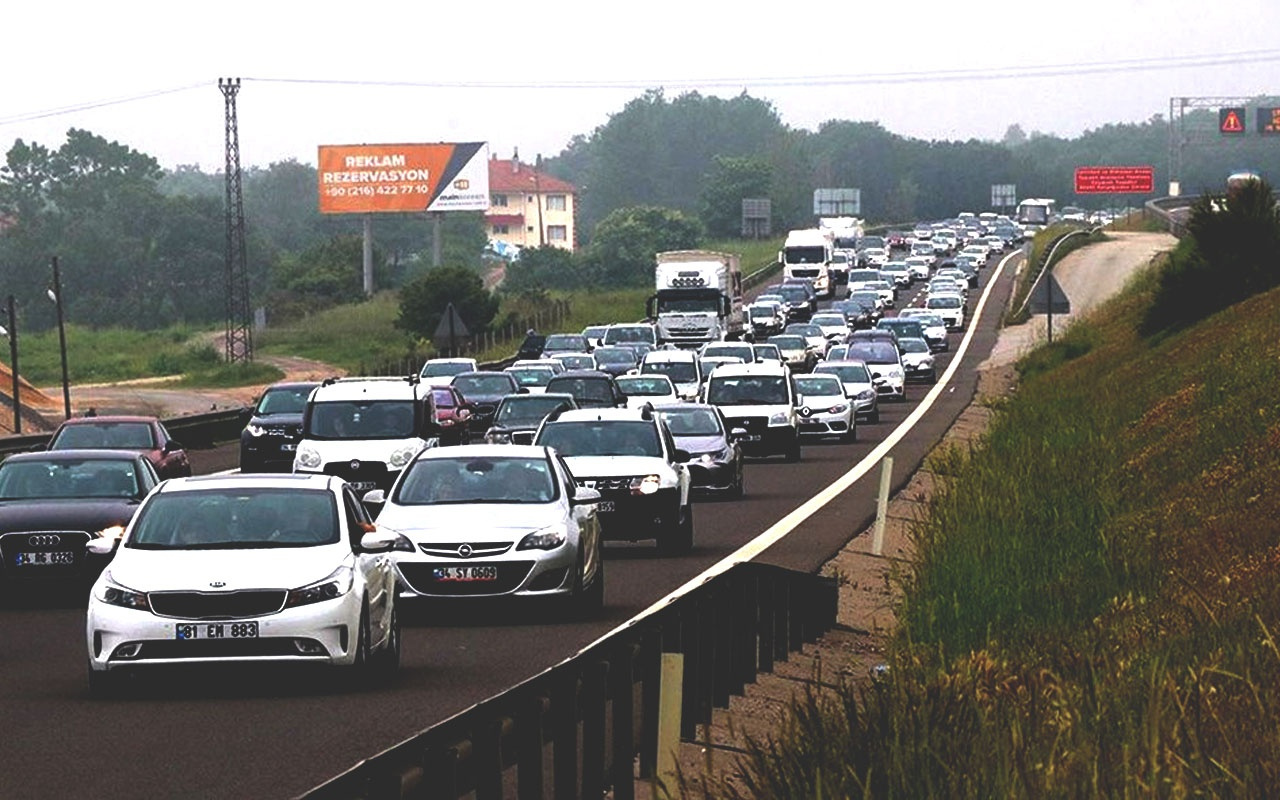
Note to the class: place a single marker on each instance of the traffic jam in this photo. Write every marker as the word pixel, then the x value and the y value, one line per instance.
pixel 359 497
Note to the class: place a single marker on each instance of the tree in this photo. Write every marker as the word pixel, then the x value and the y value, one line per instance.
pixel 729 181
pixel 423 301
pixel 625 242
pixel 327 274
pixel 545 267
pixel 1014 136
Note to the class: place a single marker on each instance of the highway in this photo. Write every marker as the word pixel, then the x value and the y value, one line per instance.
pixel 262 734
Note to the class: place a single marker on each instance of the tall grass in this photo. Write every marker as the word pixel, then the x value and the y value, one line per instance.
pixel 100 355
pixel 1096 596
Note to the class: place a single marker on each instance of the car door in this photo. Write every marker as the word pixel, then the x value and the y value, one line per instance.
pixel 583 515
pixel 376 572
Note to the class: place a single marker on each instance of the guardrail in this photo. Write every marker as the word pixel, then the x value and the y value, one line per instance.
pixel 192 430
pixel 1163 208
pixel 577 728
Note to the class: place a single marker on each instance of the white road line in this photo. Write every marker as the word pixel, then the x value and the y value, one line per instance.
pixel 791 521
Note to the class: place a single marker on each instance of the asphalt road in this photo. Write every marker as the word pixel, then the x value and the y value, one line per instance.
pixel 262 734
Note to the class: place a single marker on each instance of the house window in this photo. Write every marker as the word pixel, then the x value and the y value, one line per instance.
pixel 498 200
pixel 501 229
pixel 529 229
pixel 555 202
pixel 557 233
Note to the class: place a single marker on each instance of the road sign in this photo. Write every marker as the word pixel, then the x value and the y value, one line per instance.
pixel 1115 180
pixel 1269 121
pixel 1004 195
pixel 1231 120
pixel 449 331
pixel 837 202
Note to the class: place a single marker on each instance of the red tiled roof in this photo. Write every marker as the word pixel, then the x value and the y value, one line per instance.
pixel 521 177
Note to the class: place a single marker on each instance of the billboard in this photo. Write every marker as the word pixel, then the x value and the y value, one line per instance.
pixel 1004 195
pixel 390 178
pixel 837 202
pixel 1115 180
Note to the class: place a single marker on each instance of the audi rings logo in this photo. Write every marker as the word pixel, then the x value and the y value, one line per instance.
pixel 464 550
pixel 44 540
pixel 355 465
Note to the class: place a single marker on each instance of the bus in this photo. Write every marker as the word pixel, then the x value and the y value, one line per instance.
pixel 1036 211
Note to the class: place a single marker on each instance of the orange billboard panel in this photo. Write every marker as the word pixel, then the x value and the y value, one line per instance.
pixel 389 178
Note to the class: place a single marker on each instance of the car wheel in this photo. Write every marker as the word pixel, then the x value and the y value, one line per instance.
pixel 387 661
pixel 850 435
pixel 875 414
pixel 592 600
pixel 358 672
pixel 680 539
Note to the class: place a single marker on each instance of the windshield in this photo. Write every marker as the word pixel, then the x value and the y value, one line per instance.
pixel 582 361
pixel 642 386
pixel 583 388
pixel 874 352
pixel 483 384
pixel 34 480
pixel 804 330
pixel 829 320
pixel 677 371
pixel 231 519
pixel 911 344
pixel 804 255
pixel 379 419
pixel 531 376
pixel 767 351
pixel 615 355
pixel 691 421
pixel 742 351
pixel 565 342
pixel 847 373
pixel 748 390
pixel 602 438
pixel 436 369
pixel 104 435
pixel 945 302
pixel 629 333
pixel 443 398
pixel 284 400
pixel 444 481
pixel 789 342
pixel 688 305
pixel 526 409
pixel 764 312
pixel 819 385
pixel 794 294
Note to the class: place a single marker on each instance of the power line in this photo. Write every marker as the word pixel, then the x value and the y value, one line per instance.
pixel 93 104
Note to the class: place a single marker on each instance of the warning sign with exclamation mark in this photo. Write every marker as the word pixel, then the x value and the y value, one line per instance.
pixel 1231 121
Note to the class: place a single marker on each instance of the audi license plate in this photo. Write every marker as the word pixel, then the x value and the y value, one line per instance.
pixel 215 630
pixel 465 574
pixel 45 559
pixel 605 507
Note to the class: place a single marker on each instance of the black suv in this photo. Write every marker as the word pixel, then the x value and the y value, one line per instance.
pixel 271 435
pixel 590 389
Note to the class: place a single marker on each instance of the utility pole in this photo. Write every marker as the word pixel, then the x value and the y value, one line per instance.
pixel 239 341
pixel 13 360
pixel 55 294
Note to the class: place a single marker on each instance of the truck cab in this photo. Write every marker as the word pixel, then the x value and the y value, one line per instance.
pixel 807 254
pixel 698 298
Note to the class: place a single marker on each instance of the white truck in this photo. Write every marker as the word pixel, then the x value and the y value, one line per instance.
pixel 698 298
pixel 846 232
pixel 806 254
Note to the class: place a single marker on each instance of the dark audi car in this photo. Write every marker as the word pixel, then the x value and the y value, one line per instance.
pixel 53 503
pixel 270 439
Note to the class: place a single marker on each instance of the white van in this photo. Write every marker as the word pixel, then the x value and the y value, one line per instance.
pixel 681 366
pixel 365 430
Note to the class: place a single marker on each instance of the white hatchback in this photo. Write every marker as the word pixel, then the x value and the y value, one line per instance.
pixel 245 568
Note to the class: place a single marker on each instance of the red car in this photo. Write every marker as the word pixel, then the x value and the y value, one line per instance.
pixel 145 435
pixel 452 414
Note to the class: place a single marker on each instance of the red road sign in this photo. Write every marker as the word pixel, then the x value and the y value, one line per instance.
pixel 1115 180
pixel 1231 120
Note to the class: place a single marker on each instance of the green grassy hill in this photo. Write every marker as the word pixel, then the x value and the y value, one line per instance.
pixel 1097 593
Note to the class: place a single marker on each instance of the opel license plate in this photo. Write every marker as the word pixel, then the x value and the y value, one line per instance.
pixel 465 574
pixel 605 507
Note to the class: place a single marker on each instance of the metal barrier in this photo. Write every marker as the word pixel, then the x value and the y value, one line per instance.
pixel 193 431
pixel 1164 208
pixel 578 728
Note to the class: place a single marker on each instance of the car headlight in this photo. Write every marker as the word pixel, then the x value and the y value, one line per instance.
pixel 780 418
pixel 838 408
pixel 308 458
pixel 113 594
pixel 866 394
pixel 336 585
pixel 548 538
pixel 111 531
pixel 402 456
pixel 255 430
pixel 646 485
pixel 404 544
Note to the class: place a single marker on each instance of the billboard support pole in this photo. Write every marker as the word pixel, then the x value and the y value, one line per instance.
pixel 437 238
pixel 367 255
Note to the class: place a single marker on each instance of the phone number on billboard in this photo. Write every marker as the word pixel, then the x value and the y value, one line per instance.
pixel 375 191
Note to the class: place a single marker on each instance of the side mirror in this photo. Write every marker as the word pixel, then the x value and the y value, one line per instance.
pixel 585 496
pixel 374 499
pixel 378 542
pixel 681 455
pixel 172 445
pixel 100 546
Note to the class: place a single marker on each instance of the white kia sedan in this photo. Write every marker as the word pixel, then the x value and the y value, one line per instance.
pixel 246 568
pixel 488 520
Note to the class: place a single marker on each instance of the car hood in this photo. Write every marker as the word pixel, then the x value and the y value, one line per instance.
pixel 65 514
pixel 468 521
pixel 614 466
pixel 200 570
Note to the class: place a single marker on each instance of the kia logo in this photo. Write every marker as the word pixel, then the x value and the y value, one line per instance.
pixel 464 550
pixel 355 465
pixel 44 540
pixel 217 584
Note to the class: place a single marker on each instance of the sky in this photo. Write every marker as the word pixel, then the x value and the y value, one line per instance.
pixel 531 76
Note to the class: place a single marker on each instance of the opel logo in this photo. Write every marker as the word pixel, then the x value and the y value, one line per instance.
pixel 355 465
pixel 44 540
pixel 464 550
pixel 217 584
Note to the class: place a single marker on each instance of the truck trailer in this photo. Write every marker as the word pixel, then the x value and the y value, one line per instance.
pixel 698 297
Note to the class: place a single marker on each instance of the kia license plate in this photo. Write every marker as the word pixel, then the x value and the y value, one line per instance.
pixel 465 574
pixel 215 630
pixel 45 559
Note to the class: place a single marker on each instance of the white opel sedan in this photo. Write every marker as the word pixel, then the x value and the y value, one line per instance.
pixel 246 568
pixel 487 520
